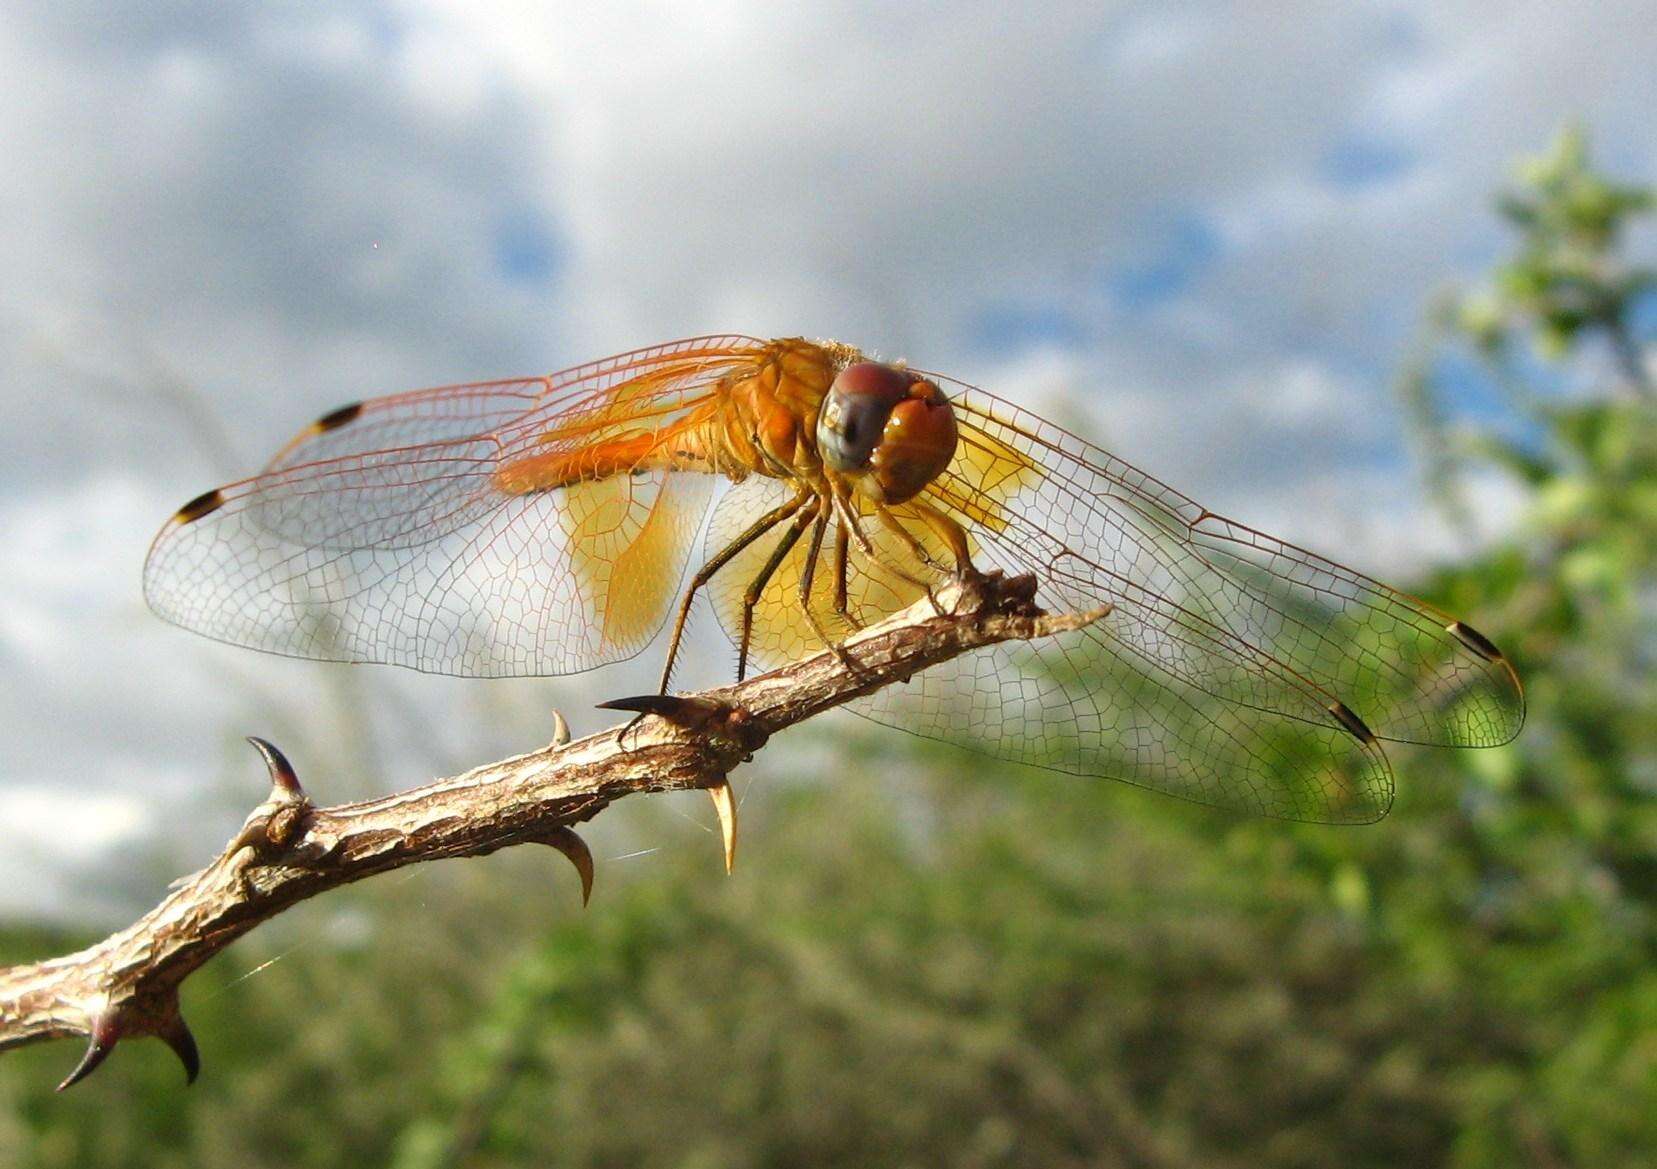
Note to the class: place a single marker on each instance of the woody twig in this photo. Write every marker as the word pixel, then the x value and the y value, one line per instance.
pixel 290 848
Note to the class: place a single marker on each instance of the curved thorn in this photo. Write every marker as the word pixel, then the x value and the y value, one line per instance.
pixel 567 842
pixel 725 804
pixel 666 705
pixel 689 712
pixel 283 782
pixel 560 730
pixel 177 1036
pixel 100 1042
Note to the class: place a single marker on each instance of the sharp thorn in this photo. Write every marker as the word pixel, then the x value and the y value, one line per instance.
pixel 560 730
pixel 100 1043
pixel 666 705
pixel 725 804
pixel 177 1036
pixel 283 782
pixel 567 842
pixel 680 711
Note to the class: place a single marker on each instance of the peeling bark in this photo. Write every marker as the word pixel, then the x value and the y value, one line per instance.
pixel 290 849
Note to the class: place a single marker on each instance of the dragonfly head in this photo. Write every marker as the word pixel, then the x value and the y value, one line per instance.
pixel 887 430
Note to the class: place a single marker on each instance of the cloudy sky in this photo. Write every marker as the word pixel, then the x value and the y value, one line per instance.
pixel 1201 232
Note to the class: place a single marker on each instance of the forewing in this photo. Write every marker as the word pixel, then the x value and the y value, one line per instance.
pixel 380 533
pixel 1089 702
pixel 1234 669
pixel 1272 625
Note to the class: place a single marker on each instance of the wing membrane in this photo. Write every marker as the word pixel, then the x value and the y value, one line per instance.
pixel 1095 527
pixel 1235 670
pixel 381 534
pixel 1093 702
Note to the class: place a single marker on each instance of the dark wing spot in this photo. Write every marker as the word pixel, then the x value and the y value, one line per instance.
pixel 335 419
pixel 1474 640
pixel 203 504
pixel 1343 715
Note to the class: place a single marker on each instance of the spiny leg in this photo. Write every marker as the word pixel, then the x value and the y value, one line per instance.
pixel 755 590
pixel 807 576
pixel 951 533
pixel 916 549
pixel 706 573
pixel 848 515
pixel 841 539
pixel 753 532
pixel 891 523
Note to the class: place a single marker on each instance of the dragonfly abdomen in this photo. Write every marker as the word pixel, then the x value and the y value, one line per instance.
pixel 688 444
pixel 758 420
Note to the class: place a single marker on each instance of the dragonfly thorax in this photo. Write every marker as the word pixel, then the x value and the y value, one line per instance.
pixel 886 430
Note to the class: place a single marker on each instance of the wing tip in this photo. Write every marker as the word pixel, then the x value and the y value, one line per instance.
pixel 1351 723
pixel 1475 641
pixel 335 419
pixel 204 504
pixel 1485 649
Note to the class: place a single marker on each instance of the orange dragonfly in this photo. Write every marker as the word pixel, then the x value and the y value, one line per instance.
pixel 544 526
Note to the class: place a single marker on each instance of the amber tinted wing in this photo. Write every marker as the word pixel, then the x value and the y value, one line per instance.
pixel 381 533
pixel 1083 703
pixel 1092 526
pixel 1235 670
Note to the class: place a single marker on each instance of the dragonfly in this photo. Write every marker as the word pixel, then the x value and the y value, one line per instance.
pixel 545 525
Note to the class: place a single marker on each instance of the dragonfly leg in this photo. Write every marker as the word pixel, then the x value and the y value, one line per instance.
pixel 750 599
pixel 807 577
pixel 951 533
pixel 916 549
pixel 848 520
pixel 895 526
pixel 841 539
pixel 706 573
pixel 848 516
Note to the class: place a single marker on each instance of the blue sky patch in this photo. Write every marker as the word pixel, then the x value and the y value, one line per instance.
pixel 1177 253
pixel 1361 161
pixel 1011 326
pixel 525 250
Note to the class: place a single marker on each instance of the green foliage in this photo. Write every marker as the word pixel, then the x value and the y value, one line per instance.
pixel 1566 279
pixel 926 960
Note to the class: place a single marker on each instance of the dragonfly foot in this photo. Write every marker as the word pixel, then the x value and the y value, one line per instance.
pixel 845 659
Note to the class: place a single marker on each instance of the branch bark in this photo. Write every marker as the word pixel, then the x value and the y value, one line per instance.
pixel 290 849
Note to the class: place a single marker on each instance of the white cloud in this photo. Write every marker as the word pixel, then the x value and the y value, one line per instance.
pixel 35 815
pixel 226 218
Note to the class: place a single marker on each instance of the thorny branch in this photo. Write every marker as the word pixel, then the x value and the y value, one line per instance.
pixel 290 849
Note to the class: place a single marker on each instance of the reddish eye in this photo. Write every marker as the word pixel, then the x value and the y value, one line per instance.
pixel 891 431
pixel 916 444
pixel 855 411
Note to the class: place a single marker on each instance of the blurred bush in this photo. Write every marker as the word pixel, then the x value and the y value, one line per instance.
pixel 923 961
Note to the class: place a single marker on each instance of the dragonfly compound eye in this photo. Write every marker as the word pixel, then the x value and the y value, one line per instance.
pixel 855 412
pixel 890 430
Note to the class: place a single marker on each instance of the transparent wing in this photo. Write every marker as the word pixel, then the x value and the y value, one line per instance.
pixel 383 532
pixel 1092 526
pixel 1235 669
pixel 1081 703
